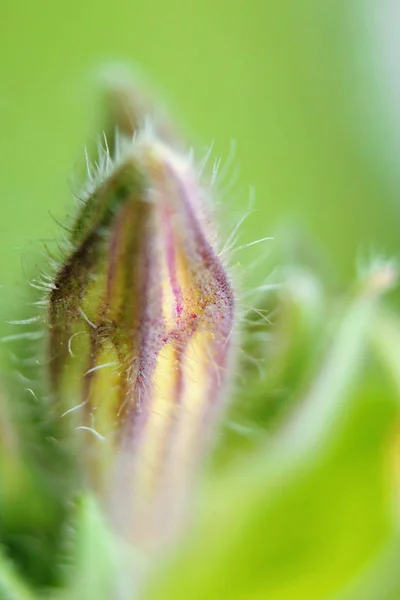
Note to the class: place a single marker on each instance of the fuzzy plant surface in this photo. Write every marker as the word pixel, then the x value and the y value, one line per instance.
pixel 165 432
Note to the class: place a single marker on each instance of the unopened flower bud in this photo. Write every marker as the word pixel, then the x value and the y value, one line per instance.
pixel 141 317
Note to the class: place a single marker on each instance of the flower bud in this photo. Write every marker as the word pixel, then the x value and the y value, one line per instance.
pixel 141 317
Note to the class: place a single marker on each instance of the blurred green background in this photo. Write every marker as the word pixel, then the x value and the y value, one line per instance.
pixel 295 83
pixel 302 88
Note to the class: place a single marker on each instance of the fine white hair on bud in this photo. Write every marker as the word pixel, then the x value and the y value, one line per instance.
pixel 141 332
